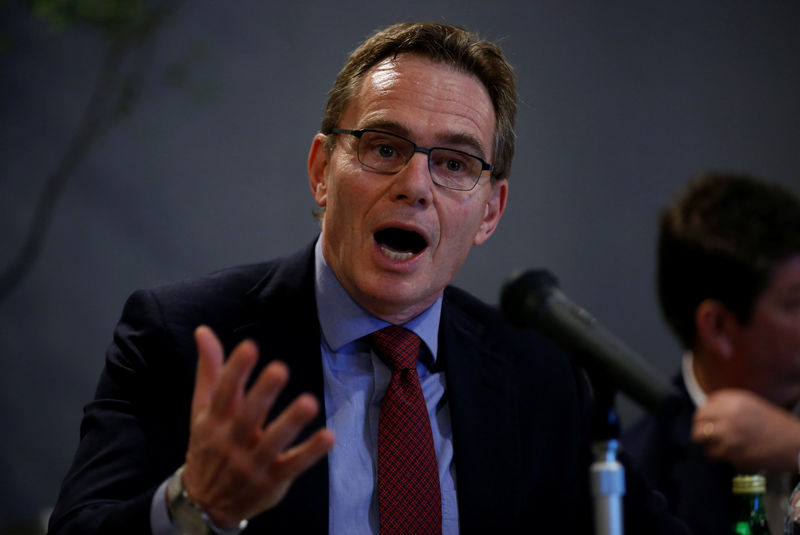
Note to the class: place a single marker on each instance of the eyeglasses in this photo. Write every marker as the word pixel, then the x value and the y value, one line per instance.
pixel 389 153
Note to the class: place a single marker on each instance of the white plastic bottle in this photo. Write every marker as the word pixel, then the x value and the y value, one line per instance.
pixel 791 525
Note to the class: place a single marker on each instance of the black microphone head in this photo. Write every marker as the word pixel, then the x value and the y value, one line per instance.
pixel 532 300
pixel 523 294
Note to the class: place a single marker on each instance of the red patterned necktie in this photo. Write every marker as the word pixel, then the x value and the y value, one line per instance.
pixel 409 495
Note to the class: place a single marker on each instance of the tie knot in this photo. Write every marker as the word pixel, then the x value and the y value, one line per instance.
pixel 396 346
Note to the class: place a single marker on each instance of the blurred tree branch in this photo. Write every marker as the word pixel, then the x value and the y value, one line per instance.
pixel 131 27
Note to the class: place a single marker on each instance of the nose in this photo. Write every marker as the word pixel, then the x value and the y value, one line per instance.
pixel 413 184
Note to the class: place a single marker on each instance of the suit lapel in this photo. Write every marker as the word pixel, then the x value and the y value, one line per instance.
pixel 483 409
pixel 485 419
pixel 286 328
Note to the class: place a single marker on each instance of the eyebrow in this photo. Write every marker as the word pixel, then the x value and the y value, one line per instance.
pixel 458 139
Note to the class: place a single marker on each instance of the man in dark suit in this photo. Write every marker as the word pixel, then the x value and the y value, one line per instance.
pixel 729 286
pixel 410 171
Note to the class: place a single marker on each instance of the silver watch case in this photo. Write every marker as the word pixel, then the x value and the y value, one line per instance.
pixel 188 517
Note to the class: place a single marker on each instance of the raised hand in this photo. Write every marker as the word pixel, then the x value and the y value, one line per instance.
pixel 235 466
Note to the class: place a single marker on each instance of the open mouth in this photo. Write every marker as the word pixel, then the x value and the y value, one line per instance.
pixel 399 244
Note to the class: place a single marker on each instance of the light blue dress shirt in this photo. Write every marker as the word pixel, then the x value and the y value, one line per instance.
pixel 355 380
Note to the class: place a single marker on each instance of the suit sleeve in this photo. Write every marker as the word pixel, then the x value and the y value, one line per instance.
pixel 134 432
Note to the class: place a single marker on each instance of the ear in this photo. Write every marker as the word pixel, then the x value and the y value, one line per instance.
pixel 318 159
pixel 495 206
pixel 714 323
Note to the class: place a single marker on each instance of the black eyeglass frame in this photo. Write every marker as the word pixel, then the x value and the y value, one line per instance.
pixel 485 166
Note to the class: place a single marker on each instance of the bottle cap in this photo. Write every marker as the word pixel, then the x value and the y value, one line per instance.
pixel 750 484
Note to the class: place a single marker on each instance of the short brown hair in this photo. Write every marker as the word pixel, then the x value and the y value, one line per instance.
pixel 451 45
pixel 722 239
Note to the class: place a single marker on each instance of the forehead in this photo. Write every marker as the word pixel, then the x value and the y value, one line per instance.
pixel 426 100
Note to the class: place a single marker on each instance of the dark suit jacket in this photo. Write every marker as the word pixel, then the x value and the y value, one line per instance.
pixel 697 489
pixel 518 408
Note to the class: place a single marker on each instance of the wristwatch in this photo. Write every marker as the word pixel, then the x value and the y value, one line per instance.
pixel 187 516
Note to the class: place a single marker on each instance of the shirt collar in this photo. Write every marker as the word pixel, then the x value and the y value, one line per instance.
pixel 696 392
pixel 343 321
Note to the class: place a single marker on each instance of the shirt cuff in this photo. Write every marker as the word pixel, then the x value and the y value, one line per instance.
pixel 160 522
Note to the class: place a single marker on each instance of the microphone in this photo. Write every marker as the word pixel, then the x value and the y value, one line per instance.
pixel 532 299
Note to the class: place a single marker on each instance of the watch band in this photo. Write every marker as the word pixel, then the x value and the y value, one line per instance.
pixel 189 517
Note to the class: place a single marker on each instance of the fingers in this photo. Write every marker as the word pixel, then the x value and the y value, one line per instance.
pixel 711 422
pixel 268 444
pixel 219 386
pixel 259 400
pixel 285 428
pixel 702 431
pixel 229 390
pixel 209 366
pixel 707 432
pixel 296 460
pixel 220 390
pixel 234 463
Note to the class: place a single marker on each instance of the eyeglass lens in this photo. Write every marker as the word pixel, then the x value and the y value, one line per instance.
pixel 389 153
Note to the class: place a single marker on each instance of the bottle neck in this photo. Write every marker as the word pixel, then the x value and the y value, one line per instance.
pixel 750 517
pixel 752 502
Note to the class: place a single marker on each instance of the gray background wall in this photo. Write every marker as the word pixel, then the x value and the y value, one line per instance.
pixel 621 101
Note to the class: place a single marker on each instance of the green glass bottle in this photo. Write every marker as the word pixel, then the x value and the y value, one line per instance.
pixel 748 495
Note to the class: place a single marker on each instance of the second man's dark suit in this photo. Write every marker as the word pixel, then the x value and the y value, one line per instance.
pixel 697 489
pixel 518 409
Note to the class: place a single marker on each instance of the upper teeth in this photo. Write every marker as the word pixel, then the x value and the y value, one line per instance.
pixel 396 255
